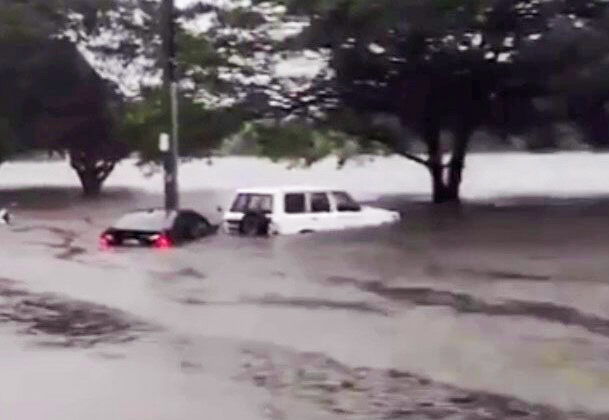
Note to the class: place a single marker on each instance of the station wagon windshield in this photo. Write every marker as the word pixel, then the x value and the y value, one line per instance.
pixel 253 202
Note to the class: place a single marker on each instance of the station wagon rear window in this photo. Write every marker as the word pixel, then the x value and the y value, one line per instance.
pixel 253 202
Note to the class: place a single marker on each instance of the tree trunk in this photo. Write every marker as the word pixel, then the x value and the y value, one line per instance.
pixel 446 179
pixel 91 172
pixel 439 188
pixel 91 184
pixel 457 163
pixel 436 164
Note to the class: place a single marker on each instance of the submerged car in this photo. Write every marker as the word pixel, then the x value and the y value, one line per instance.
pixel 157 227
pixel 290 210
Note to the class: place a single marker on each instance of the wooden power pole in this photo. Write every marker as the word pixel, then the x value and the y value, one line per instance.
pixel 171 87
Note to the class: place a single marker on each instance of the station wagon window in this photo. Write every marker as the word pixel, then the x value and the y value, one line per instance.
pixel 253 202
pixel 295 203
pixel 344 202
pixel 320 203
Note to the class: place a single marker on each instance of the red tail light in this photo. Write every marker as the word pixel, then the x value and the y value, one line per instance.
pixel 105 240
pixel 162 242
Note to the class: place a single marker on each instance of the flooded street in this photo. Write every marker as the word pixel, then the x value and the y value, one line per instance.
pixel 304 210
pixel 498 309
pixel 482 303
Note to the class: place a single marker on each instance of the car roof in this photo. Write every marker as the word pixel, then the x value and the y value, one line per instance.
pixel 155 210
pixel 146 220
pixel 284 189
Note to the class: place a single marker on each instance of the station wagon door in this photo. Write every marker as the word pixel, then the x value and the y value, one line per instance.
pixel 296 217
pixel 348 213
pixel 321 212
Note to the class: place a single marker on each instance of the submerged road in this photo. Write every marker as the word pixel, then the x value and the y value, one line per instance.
pixel 481 314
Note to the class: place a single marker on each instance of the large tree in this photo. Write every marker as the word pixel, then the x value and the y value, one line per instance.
pixel 452 66
pixel 51 97
pixel 53 100
pixel 76 112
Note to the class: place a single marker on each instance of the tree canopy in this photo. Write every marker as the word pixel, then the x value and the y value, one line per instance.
pixel 456 66
pixel 51 98
pixel 83 76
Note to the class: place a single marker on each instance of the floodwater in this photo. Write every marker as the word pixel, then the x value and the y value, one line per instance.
pixel 488 311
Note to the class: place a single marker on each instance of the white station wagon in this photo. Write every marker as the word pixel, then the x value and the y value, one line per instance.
pixel 289 210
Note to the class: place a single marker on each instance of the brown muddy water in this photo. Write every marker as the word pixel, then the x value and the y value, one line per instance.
pixel 491 310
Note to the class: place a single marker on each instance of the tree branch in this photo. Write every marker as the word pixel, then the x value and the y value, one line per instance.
pixel 415 158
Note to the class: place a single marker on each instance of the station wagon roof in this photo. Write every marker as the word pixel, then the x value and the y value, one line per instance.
pixel 284 189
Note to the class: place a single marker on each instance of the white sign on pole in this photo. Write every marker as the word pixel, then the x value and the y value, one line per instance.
pixel 164 142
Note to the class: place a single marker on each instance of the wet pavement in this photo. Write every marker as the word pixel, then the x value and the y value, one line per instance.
pixel 471 314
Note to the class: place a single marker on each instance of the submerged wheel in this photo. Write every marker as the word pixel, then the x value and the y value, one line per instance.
pixel 200 229
pixel 254 224
pixel 272 229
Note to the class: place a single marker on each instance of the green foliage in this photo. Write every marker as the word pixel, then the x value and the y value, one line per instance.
pixel 300 144
pixel 201 130
pixel 21 23
pixel 21 20
pixel 290 141
pixel 197 51
pixel 241 17
pixel 45 83
pixel 142 123
pixel 363 127
pixel 445 64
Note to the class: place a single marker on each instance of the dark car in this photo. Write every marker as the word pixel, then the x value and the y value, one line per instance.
pixel 157 227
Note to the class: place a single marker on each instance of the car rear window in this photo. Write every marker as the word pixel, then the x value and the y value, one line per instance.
pixel 147 221
pixel 253 202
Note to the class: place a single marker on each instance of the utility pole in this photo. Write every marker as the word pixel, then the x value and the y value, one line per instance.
pixel 171 87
